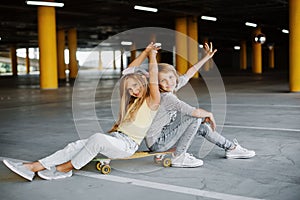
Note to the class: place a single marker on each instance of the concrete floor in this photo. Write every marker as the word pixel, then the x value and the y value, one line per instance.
pixel 261 114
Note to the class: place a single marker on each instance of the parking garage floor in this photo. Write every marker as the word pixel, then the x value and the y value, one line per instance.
pixel 260 112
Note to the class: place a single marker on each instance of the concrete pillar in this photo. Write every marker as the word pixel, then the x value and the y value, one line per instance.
pixel 72 44
pixel 122 61
pixel 181 45
pixel 294 45
pixel 14 62
pixel 100 63
pixel 47 46
pixel 256 55
pixel 61 54
pixel 114 60
pixel 243 55
pixel 27 61
pixel 193 42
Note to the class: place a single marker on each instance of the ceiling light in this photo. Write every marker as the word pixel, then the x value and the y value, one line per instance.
pixel 145 8
pixel 44 3
pixel 209 18
pixel 236 47
pixel 285 31
pixel 251 24
pixel 126 43
pixel 260 38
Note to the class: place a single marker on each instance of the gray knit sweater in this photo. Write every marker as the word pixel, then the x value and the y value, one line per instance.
pixel 169 103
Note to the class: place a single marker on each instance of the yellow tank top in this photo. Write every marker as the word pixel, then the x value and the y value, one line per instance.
pixel 138 128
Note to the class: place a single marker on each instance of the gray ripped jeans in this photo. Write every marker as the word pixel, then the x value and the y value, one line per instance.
pixel 181 131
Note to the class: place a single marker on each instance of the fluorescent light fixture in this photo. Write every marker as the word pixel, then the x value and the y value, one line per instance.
pixel 209 18
pixel 145 8
pixel 285 31
pixel 126 43
pixel 251 24
pixel 236 47
pixel 44 3
pixel 105 44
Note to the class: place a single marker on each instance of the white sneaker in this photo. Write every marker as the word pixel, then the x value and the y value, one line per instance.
pixel 19 169
pixel 186 160
pixel 239 152
pixel 52 173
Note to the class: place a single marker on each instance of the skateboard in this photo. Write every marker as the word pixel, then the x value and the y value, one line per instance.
pixel 103 164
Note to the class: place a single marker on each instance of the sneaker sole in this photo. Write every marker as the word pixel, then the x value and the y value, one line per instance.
pixel 186 166
pixel 43 177
pixel 12 168
pixel 54 178
pixel 240 157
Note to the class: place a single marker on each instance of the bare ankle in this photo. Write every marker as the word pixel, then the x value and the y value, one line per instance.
pixel 66 167
pixel 34 166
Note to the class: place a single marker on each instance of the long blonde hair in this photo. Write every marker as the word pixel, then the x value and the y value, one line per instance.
pixel 129 105
pixel 166 68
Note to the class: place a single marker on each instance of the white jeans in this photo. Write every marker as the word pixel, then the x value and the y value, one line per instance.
pixel 81 152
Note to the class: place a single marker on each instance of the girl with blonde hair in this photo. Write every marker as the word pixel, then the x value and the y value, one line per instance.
pixel 139 102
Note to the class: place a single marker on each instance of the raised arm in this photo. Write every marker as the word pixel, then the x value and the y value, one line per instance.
pixel 141 58
pixel 138 60
pixel 154 99
pixel 209 54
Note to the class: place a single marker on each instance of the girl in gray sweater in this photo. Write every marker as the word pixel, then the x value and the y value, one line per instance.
pixel 176 123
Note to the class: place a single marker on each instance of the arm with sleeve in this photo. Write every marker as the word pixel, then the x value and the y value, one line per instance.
pixel 169 102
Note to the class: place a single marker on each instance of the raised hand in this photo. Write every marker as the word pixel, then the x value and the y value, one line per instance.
pixel 209 50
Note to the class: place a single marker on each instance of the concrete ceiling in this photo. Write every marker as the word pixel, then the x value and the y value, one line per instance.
pixel 96 20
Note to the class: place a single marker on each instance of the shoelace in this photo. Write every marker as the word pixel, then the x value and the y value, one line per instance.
pixel 189 156
pixel 237 144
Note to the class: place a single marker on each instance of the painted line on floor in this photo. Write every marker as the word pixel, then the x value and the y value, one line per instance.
pixel 155 185
pixel 165 187
pixel 262 128
pixel 253 105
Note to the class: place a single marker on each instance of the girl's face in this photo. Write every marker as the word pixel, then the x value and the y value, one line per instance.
pixel 167 81
pixel 134 88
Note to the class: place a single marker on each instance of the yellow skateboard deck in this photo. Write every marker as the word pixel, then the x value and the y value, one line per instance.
pixel 103 164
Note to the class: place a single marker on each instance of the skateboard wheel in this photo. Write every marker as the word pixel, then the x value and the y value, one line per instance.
pixel 167 162
pixel 98 166
pixel 105 169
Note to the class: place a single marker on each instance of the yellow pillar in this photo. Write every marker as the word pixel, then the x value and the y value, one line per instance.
pixel 14 62
pixel 294 18
pixel 61 54
pixel 72 43
pixel 181 45
pixel 207 64
pixel 47 46
pixel 132 52
pixel 256 55
pixel 193 42
pixel 27 61
pixel 271 57
pixel 243 55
